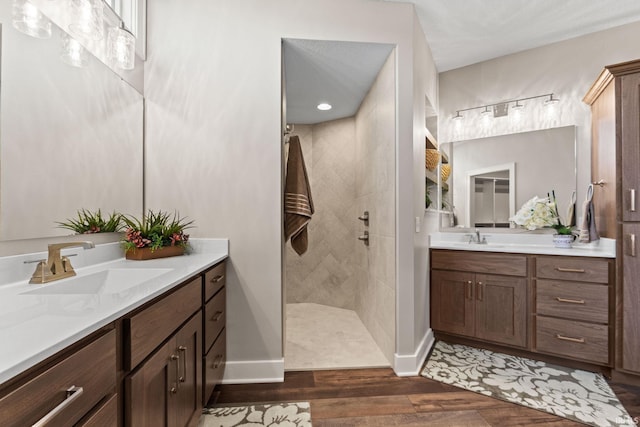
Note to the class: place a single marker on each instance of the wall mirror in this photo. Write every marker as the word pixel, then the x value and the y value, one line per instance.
pixel 70 137
pixel 491 178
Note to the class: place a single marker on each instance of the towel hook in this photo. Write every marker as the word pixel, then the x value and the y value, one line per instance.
pixel 600 183
pixel 590 192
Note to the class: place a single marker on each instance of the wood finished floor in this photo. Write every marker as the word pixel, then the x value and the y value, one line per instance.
pixel 377 397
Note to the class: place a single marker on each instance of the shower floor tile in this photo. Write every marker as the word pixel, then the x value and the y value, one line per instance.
pixel 323 337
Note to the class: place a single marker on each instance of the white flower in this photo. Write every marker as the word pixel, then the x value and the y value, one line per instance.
pixel 536 213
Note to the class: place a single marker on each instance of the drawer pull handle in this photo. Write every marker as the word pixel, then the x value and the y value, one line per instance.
pixel 217 361
pixel 468 289
pixel 216 316
pixel 570 301
pixel 183 349
pixel 563 338
pixel 632 200
pixel 176 358
pixel 73 393
pixel 630 247
pixel 217 278
pixel 480 292
pixel 570 270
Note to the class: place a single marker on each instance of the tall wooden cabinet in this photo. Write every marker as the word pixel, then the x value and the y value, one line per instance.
pixel 615 106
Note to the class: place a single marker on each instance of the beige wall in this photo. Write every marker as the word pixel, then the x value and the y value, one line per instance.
pixel 566 68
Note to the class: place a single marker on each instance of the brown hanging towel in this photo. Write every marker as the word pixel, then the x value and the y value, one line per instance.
pixel 298 204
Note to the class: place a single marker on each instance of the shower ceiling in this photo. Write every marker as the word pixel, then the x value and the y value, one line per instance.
pixel 338 73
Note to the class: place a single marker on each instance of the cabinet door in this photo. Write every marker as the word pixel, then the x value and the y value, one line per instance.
pixel 501 309
pixel 151 392
pixel 452 302
pixel 189 395
pixel 630 152
pixel 630 297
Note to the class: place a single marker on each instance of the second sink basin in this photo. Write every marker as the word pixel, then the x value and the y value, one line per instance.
pixel 110 281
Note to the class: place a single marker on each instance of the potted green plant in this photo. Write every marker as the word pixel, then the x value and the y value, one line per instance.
pixel 155 235
pixel 89 222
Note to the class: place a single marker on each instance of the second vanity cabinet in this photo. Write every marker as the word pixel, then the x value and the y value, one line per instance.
pixel 480 295
pixel 553 305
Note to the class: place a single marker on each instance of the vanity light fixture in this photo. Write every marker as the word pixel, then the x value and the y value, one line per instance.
pixel 28 19
pixel 500 109
pixel 324 106
pixel 121 47
pixel 87 19
pixel 551 100
pixel 73 53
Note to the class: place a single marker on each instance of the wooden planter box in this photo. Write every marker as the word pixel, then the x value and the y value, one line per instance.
pixel 141 254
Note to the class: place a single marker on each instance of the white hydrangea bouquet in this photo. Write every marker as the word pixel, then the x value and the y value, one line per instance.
pixel 540 212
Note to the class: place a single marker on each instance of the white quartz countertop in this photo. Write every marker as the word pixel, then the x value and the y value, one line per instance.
pixel 35 326
pixel 523 243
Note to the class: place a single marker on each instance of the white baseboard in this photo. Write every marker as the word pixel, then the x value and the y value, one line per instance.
pixel 409 365
pixel 254 371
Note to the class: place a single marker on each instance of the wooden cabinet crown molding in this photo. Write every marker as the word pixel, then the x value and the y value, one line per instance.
pixel 607 75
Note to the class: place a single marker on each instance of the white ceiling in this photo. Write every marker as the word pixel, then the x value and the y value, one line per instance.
pixel 459 33
pixel 463 32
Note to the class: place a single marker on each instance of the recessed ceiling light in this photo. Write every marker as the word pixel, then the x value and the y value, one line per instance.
pixel 324 106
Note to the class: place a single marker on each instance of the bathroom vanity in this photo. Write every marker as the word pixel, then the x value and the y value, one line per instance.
pixel 555 304
pixel 146 355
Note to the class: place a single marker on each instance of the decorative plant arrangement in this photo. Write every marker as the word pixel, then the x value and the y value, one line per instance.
pixel 541 212
pixel 92 222
pixel 156 235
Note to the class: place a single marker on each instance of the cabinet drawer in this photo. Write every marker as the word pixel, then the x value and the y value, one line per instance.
pixel 214 280
pixel 214 318
pixel 573 300
pixel 592 270
pixel 105 416
pixel 147 329
pixel 92 368
pixel 475 262
pixel 577 340
pixel 214 363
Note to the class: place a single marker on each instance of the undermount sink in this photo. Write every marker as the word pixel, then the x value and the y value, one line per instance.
pixel 107 282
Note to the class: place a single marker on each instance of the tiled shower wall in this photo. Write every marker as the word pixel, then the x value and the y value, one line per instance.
pixel 375 192
pixel 351 167
pixel 325 274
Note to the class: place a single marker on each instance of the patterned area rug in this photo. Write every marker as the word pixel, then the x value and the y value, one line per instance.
pixel 578 395
pixel 280 415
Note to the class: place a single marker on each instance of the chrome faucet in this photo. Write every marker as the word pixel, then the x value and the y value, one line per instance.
pixel 476 238
pixel 57 267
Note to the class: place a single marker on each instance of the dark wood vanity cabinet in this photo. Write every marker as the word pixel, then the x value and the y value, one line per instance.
pixel 78 389
pixel 615 111
pixel 164 355
pixel 480 295
pixel 214 321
